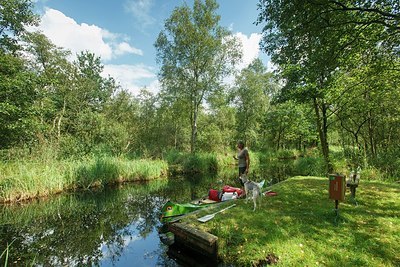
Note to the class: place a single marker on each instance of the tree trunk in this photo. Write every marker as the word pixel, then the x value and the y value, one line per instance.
pixel 372 144
pixel 60 119
pixel 322 126
pixel 278 143
pixel 194 131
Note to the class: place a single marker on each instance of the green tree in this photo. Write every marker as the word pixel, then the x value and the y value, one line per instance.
pixel 311 40
pixel 17 82
pixel 123 117
pixel 288 125
pixel 175 128
pixel 55 76
pixel 251 99
pixel 15 15
pixel 195 54
pixel 17 102
pixel 367 110
pixel 95 90
pixel 148 122
pixel 218 122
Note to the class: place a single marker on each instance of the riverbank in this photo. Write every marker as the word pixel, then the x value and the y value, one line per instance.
pixel 298 227
pixel 29 179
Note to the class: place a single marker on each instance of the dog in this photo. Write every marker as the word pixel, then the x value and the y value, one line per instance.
pixel 253 187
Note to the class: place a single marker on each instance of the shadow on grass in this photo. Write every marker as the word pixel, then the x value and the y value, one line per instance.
pixel 299 226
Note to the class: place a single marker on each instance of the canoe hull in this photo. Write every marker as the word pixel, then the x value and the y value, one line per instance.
pixel 171 210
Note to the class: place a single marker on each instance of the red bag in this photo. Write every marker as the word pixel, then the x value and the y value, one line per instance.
pixel 230 189
pixel 214 195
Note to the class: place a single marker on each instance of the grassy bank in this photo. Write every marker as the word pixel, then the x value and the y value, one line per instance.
pixel 298 227
pixel 23 180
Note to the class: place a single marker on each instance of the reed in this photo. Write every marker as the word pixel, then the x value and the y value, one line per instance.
pixel 5 254
pixel 187 163
pixel 26 179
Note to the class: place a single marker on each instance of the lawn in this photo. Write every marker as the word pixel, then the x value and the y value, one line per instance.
pixel 299 227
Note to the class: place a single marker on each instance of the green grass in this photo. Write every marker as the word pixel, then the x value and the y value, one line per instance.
pixel 299 227
pixel 187 163
pixel 22 180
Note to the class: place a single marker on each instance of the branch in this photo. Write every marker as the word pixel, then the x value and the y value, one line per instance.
pixel 386 15
pixel 371 10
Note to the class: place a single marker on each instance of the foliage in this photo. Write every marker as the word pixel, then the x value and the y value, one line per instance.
pixel 195 54
pixel 15 15
pixel 336 86
pixel 251 99
pixel 323 39
pixel 184 163
pixel 289 126
pixel 17 98
pixel 307 166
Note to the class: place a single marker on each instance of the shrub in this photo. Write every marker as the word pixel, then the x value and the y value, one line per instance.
pixel 314 166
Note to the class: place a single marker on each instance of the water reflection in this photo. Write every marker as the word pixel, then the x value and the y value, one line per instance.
pixel 109 227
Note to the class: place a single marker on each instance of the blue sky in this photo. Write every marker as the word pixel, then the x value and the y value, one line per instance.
pixel 123 32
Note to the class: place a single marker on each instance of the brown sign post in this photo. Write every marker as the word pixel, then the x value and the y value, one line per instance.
pixel 337 189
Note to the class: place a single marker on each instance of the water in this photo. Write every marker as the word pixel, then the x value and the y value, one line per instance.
pixel 109 227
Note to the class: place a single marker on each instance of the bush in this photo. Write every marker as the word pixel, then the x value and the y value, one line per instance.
pixel 313 166
pixel 200 163
pixel 371 173
pixel 186 163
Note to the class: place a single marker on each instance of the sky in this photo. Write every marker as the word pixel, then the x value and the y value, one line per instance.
pixel 123 32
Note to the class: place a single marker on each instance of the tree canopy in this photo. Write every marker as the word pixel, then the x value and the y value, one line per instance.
pixel 195 54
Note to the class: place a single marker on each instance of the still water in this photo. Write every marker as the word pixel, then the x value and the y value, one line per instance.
pixel 108 227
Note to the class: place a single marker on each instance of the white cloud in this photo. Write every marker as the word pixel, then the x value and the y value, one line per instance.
pixel 131 77
pixel 154 87
pixel 250 46
pixel 250 50
pixel 140 9
pixel 271 67
pixel 124 47
pixel 65 32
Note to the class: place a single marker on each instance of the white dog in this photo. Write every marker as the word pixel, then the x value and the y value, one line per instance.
pixel 253 187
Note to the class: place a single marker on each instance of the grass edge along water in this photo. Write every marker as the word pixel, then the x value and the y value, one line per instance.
pixel 297 227
pixel 24 180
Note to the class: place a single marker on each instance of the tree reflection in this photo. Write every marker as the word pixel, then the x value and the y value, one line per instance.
pixel 94 227
pixel 80 229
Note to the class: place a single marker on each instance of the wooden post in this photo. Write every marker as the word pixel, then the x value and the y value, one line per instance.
pixel 195 239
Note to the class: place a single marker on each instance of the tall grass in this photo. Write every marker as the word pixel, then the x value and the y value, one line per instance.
pixel 187 163
pixel 5 254
pixel 21 180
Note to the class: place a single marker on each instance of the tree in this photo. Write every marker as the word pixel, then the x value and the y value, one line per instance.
pixel 55 76
pixel 15 15
pixel 311 40
pixel 218 122
pixel 288 125
pixel 95 90
pixel 122 113
pixel 195 54
pixel 17 99
pixel 251 98
pixel 17 83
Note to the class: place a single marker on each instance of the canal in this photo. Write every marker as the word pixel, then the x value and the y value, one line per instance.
pixel 116 226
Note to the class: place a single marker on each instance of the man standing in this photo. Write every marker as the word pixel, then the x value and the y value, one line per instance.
pixel 243 158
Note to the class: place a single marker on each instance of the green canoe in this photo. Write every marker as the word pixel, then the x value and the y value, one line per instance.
pixel 171 210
